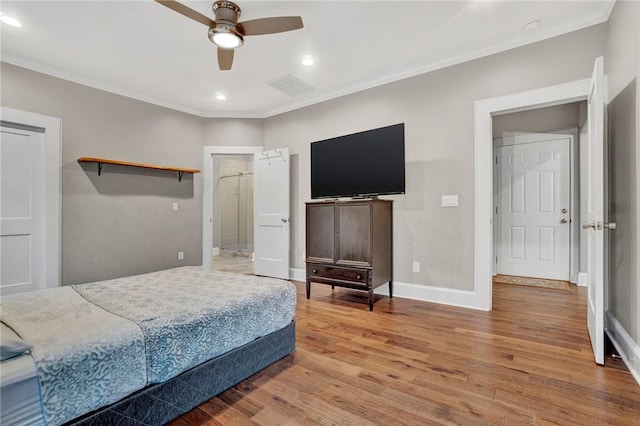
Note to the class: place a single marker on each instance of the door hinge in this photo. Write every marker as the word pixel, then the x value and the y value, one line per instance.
pixel 496 160
pixel 496 260
pixel 496 209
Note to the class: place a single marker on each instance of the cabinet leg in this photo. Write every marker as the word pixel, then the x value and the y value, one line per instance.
pixel 370 300
pixel 333 287
pixel 390 289
pixel 308 289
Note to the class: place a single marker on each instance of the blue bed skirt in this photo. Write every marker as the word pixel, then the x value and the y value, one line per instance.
pixel 160 403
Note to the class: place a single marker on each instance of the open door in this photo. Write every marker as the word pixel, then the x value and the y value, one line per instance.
pixel 594 222
pixel 271 209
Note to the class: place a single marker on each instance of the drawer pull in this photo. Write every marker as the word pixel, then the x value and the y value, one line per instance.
pixel 315 271
pixel 358 277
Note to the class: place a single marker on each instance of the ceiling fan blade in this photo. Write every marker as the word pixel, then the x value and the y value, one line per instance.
pixel 225 59
pixel 273 25
pixel 185 11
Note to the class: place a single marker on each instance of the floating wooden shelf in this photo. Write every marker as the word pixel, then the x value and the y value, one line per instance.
pixel 181 170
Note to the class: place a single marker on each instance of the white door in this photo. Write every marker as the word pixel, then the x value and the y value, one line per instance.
pixel 22 211
pixel 533 206
pixel 271 209
pixel 595 212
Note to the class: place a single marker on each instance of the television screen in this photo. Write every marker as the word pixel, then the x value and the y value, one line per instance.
pixel 358 165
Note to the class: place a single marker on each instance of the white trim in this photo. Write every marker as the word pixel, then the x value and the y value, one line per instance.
pixel 624 344
pixel 215 251
pixel 446 296
pixel 53 184
pixel 297 274
pixel 484 111
pixel 207 194
pixel 583 279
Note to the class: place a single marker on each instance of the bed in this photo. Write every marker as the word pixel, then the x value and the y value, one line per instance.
pixel 142 349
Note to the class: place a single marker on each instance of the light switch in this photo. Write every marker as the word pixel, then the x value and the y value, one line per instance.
pixel 174 207
pixel 450 200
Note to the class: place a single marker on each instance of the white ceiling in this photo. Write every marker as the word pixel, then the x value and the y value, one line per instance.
pixel 145 51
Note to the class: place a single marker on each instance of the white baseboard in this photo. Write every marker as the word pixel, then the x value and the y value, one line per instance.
pixel 215 251
pixel 445 296
pixel 297 274
pixel 624 344
pixel 583 279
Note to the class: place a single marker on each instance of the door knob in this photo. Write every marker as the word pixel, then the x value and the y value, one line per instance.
pixel 563 220
pixel 563 210
pixel 592 225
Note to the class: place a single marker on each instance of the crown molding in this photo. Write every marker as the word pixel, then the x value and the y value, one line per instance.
pixel 384 79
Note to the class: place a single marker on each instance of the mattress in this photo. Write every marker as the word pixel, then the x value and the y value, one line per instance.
pixel 96 343
pixel 189 316
pixel 20 394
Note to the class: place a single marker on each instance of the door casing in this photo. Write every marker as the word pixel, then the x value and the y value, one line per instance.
pixel 484 110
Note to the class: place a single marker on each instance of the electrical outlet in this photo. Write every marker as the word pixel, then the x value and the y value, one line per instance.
pixel 416 266
pixel 175 207
pixel 180 255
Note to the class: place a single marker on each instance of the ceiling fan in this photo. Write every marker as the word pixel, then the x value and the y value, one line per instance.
pixel 227 33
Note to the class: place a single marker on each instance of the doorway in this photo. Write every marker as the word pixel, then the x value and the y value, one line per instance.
pixel 485 111
pixel 234 195
pixel 211 207
pixel 536 194
pixel 233 213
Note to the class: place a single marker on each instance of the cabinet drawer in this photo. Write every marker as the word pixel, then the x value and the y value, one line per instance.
pixel 338 273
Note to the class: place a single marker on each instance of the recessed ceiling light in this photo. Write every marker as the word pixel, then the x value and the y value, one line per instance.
pixel 307 60
pixel 221 97
pixel 10 21
pixel 532 26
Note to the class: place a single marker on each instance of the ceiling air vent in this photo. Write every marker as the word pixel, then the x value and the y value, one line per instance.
pixel 291 86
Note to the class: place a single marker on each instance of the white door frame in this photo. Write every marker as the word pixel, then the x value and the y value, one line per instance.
pixel 53 183
pixel 207 193
pixel 484 111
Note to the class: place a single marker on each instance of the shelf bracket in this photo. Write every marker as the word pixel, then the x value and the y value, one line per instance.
pixel 180 174
pixel 99 169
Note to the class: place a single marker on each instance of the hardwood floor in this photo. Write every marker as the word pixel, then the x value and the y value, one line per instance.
pixel 528 361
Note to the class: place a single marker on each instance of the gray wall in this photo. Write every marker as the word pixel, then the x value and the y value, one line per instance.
pixel 120 223
pixel 622 65
pixel 438 111
pixel 234 132
pixel 541 120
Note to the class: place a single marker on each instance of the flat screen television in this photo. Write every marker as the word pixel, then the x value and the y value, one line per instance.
pixel 362 164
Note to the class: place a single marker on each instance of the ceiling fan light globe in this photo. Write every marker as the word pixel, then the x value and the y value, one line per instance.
pixel 225 38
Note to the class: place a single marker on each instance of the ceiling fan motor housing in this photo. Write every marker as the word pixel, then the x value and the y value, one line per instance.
pixel 227 14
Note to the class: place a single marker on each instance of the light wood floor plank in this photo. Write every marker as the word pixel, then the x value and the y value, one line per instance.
pixel 528 361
